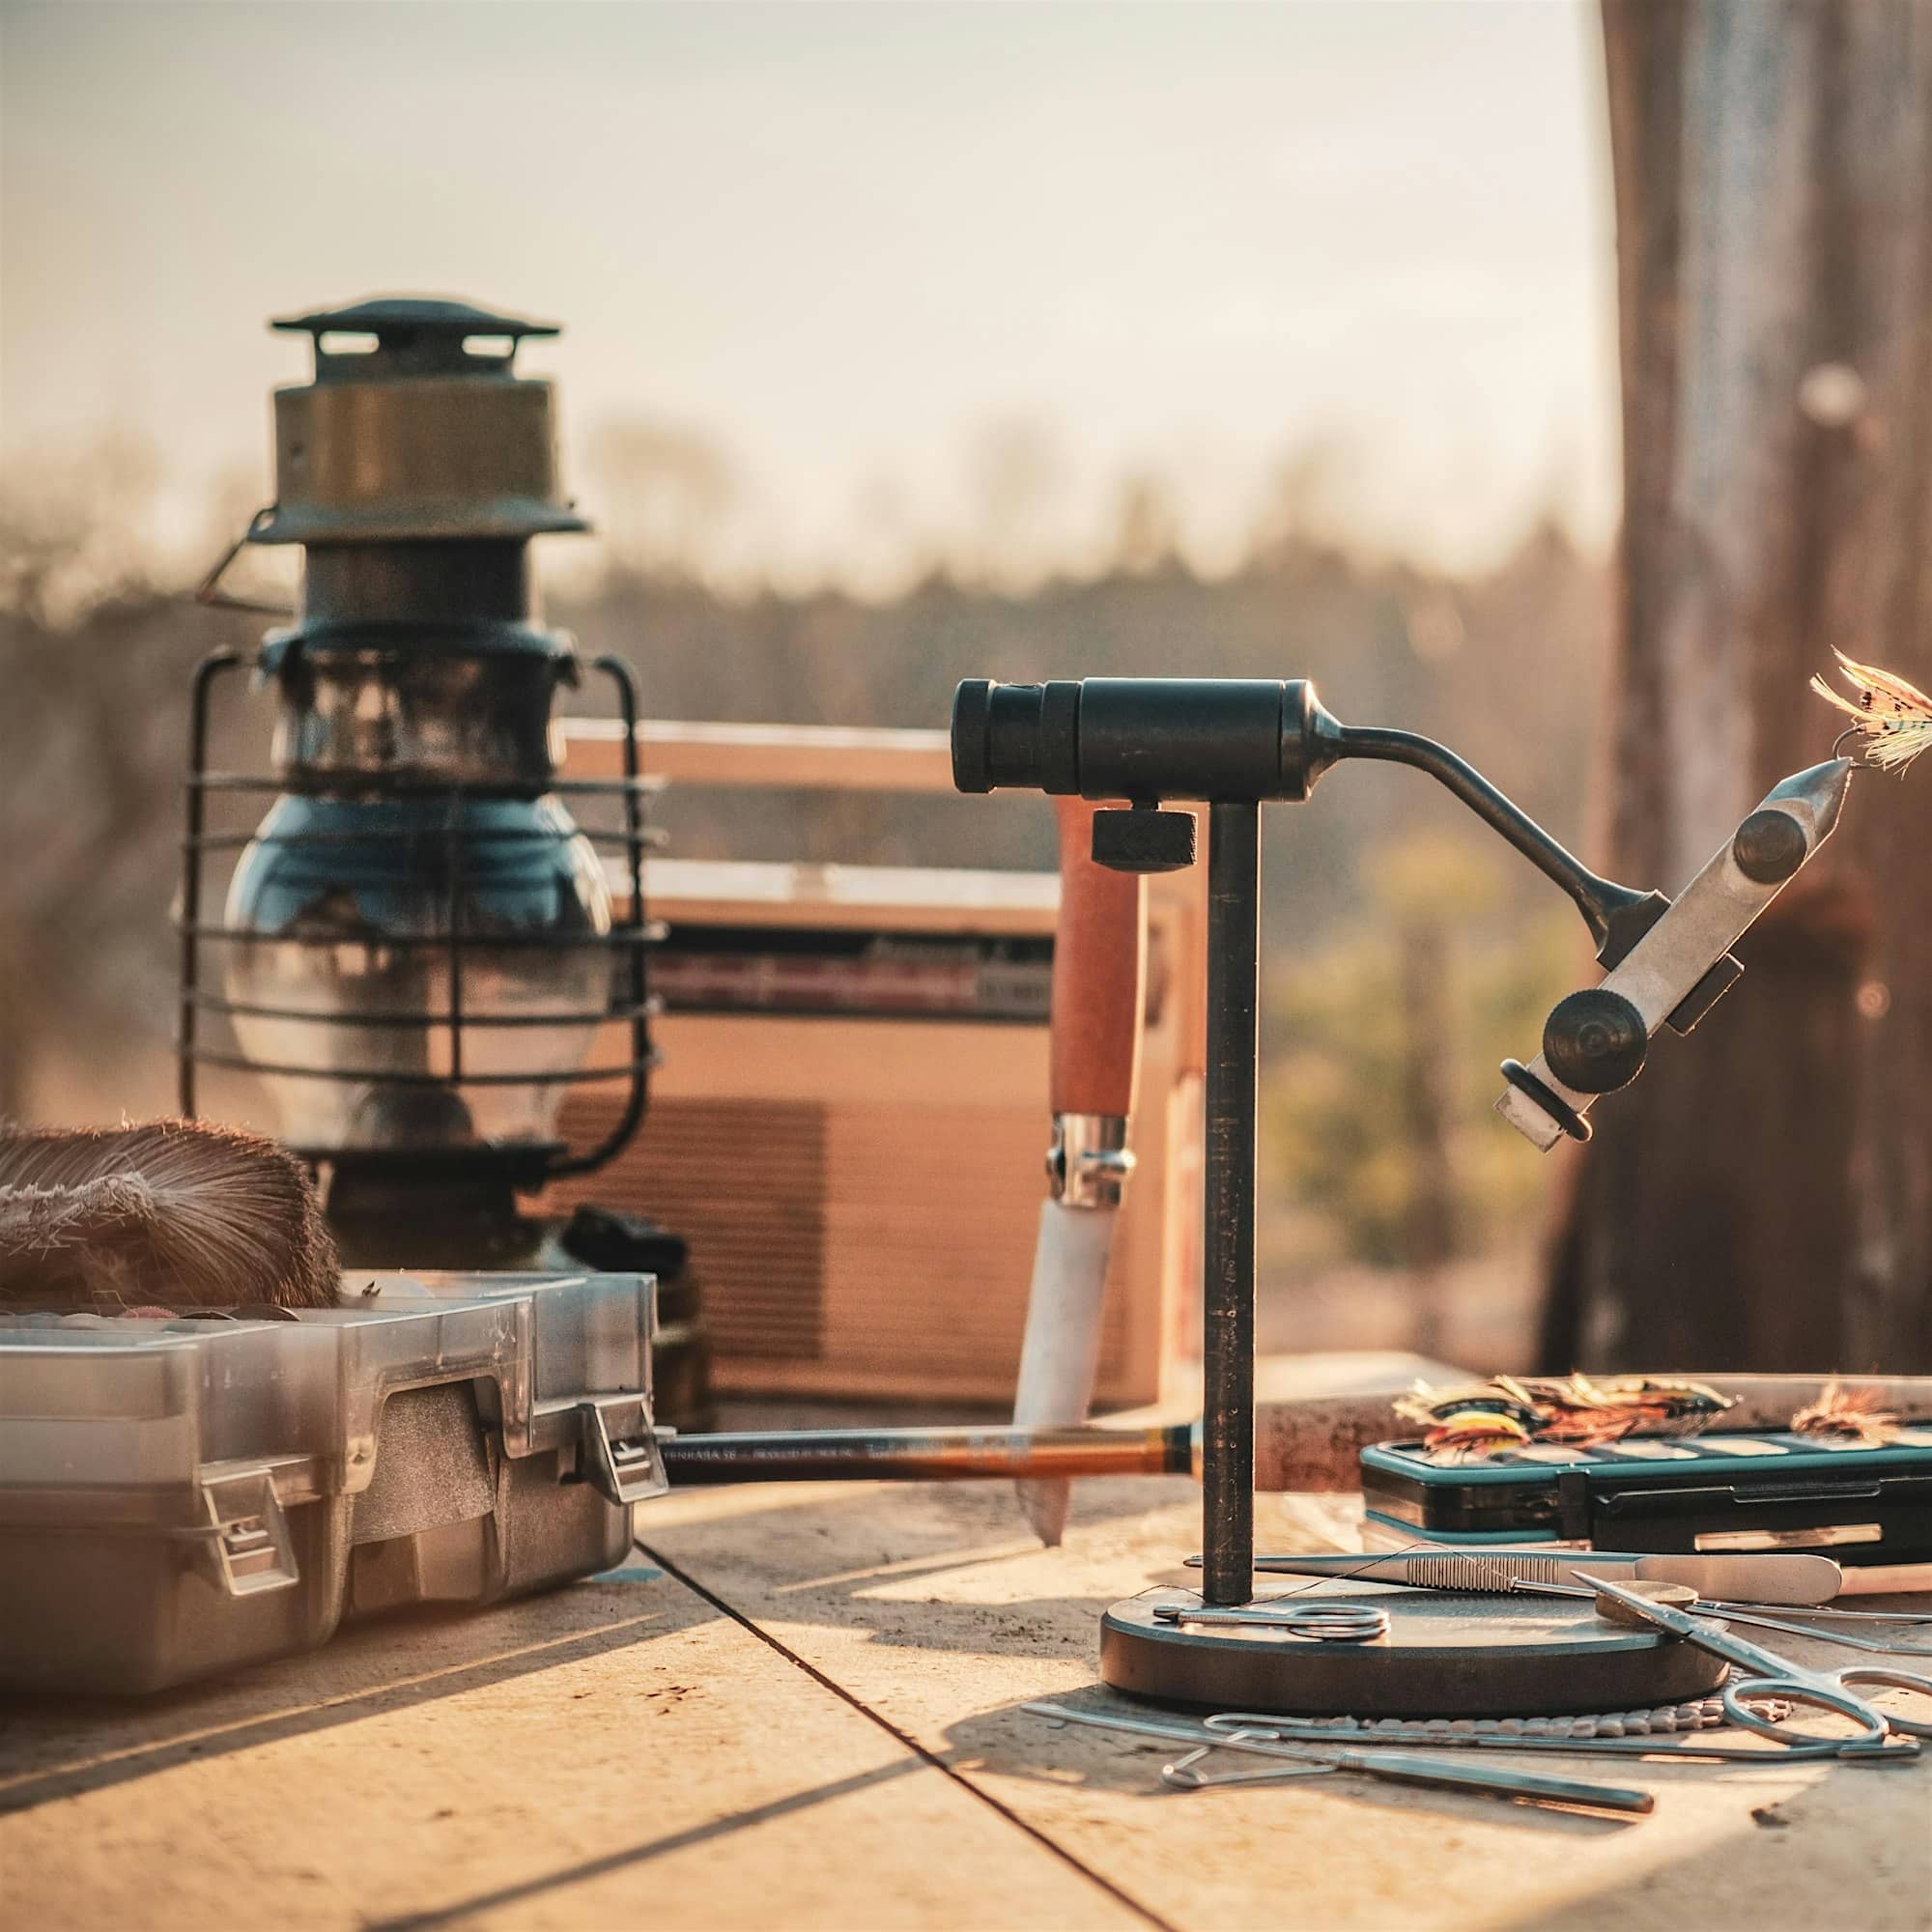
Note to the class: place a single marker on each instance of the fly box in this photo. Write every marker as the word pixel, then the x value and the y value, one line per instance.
pixel 1867 1508
pixel 180 1497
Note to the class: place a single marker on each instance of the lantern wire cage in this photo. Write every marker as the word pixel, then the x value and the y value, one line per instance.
pixel 459 942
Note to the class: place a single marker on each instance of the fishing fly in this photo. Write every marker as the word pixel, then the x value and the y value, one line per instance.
pixel 1894 716
pixel 1509 1413
pixel 1853 1416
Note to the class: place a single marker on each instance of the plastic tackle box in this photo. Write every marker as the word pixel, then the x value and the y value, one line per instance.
pixel 180 1497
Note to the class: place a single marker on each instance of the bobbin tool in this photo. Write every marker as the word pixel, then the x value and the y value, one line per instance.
pixel 1234 744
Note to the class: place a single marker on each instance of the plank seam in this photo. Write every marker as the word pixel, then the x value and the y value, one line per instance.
pixel 909 1741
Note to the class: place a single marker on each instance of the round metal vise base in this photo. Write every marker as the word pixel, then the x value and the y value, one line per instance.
pixel 1445 1656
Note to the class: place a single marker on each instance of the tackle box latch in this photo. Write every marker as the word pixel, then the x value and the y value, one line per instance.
pixel 245 1538
pixel 624 1469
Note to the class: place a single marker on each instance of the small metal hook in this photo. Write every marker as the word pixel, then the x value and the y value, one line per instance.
pixel 1860 759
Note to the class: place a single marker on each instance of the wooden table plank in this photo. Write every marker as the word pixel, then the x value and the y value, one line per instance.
pixel 932 1605
pixel 617 1753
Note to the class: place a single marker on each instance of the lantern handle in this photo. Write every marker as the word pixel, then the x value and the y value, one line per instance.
pixel 209 590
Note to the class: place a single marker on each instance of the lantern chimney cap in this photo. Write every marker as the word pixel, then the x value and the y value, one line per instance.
pixel 415 429
pixel 415 335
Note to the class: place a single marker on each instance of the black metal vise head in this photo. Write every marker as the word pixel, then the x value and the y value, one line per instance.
pixel 1220 739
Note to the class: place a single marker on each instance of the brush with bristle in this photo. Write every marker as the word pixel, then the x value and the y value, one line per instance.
pixel 170 1214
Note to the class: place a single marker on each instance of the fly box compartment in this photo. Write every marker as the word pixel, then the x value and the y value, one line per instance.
pixel 181 1498
pixel 1864 1507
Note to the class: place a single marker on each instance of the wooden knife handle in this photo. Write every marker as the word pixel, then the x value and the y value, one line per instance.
pixel 1099 968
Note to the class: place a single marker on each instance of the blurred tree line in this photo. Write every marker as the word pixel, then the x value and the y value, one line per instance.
pixel 1393 919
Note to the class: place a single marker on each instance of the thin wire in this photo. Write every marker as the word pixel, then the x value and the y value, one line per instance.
pixel 1421 1546
pixel 1182 1775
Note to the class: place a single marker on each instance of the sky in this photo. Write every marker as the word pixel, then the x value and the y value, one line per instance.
pixel 925 278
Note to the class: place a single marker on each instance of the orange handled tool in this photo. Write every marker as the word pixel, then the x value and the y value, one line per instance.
pixel 1099 973
pixel 1099 970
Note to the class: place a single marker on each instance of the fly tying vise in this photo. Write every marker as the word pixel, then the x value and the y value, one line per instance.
pixel 1235 745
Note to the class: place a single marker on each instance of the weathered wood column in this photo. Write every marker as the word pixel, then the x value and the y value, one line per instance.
pixel 1763 1196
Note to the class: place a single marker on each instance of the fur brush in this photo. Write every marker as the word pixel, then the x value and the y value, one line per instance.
pixel 169 1214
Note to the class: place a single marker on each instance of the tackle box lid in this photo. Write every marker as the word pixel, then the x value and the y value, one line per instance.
pixel 130 1419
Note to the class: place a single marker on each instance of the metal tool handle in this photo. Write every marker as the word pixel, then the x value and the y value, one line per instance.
pixel 1833 1692
pixel 1817 1692
pixel 1403 1767
pixel 1889 1677
pixel 1322 1620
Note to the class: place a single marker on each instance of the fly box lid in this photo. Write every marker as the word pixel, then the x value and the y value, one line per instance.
pixel 1861 1505
pixel 180 1497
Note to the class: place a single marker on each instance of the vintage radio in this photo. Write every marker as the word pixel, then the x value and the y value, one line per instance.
pixel 850 1118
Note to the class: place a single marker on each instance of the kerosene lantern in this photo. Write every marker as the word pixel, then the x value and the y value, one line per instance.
pixel 420 945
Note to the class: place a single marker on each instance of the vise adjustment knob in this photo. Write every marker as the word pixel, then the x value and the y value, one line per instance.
pixel 1595 1042
pixel 1144 840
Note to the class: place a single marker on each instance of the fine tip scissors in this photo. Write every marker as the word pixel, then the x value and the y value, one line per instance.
pixel 1762 1675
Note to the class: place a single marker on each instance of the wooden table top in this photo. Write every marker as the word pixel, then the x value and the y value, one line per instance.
pixel 800 1707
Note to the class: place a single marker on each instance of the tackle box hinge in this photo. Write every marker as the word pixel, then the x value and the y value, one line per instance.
pixel 244 1541
pixel 624 1469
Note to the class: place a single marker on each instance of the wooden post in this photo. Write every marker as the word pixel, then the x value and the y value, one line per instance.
pixel 1763 1197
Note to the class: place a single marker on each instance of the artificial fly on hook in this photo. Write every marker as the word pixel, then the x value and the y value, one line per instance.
pixel 1894 718
pixel 1851 1416
pixel 1510 1412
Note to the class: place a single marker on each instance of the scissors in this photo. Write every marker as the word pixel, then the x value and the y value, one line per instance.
pixel 1762 1674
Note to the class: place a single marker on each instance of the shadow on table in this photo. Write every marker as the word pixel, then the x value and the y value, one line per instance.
pixel 945 1567
pixel 1010 1742
pixel 632 1856
pixel 1824 1855
pixel 1031 1628
pixel 97 1743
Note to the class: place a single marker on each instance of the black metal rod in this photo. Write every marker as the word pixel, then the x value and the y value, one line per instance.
pixel 643 1055
pixel 508 939
pixel 1228 1275
pixel 186 1022
pixel 385 838
pixel 209 1003
pixel 385 1076
pixel 454 863
pixel 385 786
pixel 1598 899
